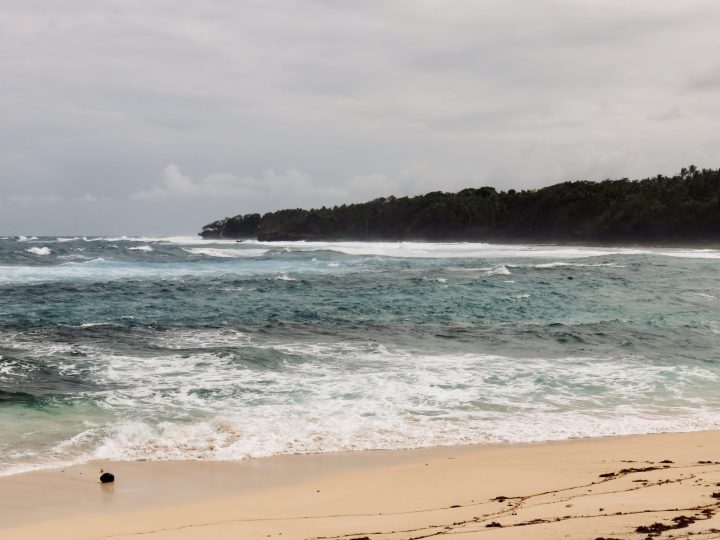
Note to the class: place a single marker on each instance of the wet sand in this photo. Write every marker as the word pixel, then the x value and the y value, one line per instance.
pixel 622 487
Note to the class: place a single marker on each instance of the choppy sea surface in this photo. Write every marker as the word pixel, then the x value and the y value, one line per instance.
pixel 178 348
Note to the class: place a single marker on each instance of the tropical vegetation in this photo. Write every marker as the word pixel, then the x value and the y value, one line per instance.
pixel 680 208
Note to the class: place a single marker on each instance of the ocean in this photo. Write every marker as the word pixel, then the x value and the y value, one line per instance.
pixel 178 348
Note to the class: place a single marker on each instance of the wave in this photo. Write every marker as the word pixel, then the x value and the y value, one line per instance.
pixel 227 253
pixel 481 250
pixel 435 279
pixel 234 438
pixel 61 239
pixel 692 254
pixel 101 270
pixel 39 250
pixel 444 250
pixel 326 397
pixel 97 269
pixel 180 240
pixel 146 249
pixel 429 250
pixel 500 270
pixel 577 265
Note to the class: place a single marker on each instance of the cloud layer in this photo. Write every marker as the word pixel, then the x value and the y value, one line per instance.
pixel 149 117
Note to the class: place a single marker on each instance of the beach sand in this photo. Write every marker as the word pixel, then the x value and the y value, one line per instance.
pixel 579 489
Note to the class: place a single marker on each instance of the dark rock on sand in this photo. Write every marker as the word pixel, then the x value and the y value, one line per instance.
pixel 107 477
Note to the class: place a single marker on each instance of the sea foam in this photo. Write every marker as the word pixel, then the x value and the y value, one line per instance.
pixel 227 253
pixel 39 250
pixel 377 398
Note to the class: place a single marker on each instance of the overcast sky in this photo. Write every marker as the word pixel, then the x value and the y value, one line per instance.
pixel 155 117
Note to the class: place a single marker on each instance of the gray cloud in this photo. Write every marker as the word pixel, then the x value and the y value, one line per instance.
pixel 148 117
pixel 176 185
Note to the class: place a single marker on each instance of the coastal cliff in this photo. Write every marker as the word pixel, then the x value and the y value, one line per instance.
pixel 685 207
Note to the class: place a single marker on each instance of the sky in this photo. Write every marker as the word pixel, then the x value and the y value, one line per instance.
pixel 158 116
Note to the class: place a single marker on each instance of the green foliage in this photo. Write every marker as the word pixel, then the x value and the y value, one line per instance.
pixel 685 207
pixel 246 226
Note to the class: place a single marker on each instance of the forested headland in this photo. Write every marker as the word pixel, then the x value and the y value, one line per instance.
pixel 681 208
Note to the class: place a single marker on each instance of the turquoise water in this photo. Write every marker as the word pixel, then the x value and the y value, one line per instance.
pixel 177 348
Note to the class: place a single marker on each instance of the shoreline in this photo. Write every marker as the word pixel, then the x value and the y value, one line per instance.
pixel 533 490
pixel 99 462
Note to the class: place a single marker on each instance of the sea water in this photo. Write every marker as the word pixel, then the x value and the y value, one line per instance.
pixel 178 348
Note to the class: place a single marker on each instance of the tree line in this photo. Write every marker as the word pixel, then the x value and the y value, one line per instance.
pixel 680 208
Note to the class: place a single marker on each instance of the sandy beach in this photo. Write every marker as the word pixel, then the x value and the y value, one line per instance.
pixel 632 487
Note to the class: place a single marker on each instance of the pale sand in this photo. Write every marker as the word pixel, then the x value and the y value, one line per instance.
pixel 551 490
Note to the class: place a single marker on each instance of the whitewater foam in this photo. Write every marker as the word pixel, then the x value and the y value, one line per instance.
pixel 39 250
pixel 480 250
pixel 61 239
pixel 179 240
pixel 500 270
pixel 227 253
pixel 382 399
pixel 568 264
pixel 100 269
pixel 445 250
